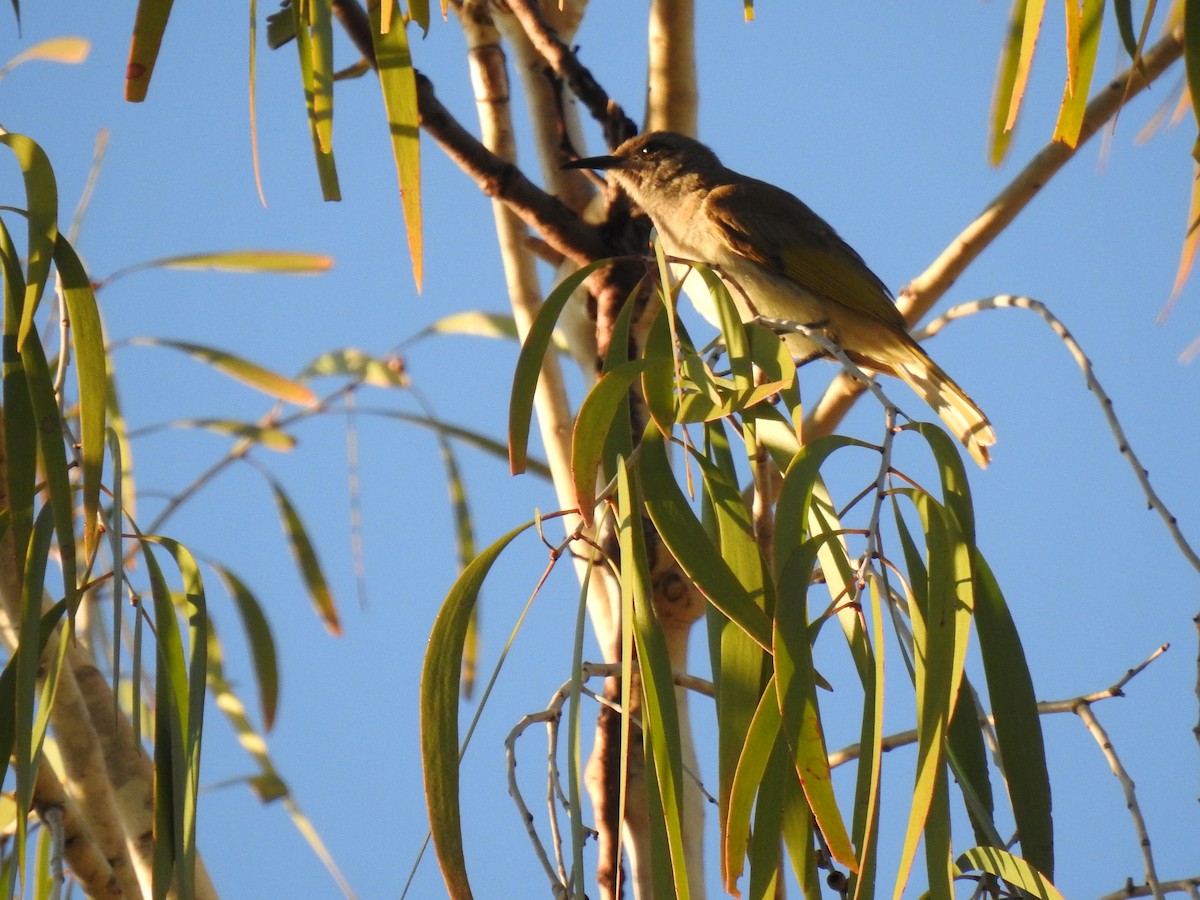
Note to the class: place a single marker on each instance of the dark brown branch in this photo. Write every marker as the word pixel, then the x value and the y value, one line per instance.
pixel 562 60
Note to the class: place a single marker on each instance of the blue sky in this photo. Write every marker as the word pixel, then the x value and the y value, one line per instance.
pixel 877 117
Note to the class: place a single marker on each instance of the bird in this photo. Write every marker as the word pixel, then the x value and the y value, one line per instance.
pixel 782 261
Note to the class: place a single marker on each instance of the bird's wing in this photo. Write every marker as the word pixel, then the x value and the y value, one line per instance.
pixel 798 244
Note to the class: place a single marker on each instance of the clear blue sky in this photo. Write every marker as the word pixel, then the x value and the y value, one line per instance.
pixel 876 116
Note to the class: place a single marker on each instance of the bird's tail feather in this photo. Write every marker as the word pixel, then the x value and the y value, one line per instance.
pixel 958 411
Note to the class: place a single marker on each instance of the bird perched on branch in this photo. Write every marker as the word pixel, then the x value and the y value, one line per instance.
pixel 782 261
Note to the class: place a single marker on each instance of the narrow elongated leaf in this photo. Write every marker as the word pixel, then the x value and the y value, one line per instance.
pixel 260 640
pixel 148 28
pixel 1123 9
pixel 1015 871
pixel 41 205
pixel 70 50
pixel 1018 725
pixel 267 436
pixel 688 542
pixel 418 11
pixel 1187 253
pixel 91 368
pixel 320 22
pixel 1031 26
pixel 350 362
pixel 760 739
pixel 20 424
pixel 398 81
pixel 660 718
pixel 999 132
pixel 326 167
pixel 593 423
pixel 529 364
pixel 240 369
pixel 439 715
pixel 306 558
pixel 188 686
pixel 1075 95
pixel 939 864
pixel 1191 56
pixel 796 688
pixel 53 454
pixel 967 754
pixel 239 262
pixel 941 620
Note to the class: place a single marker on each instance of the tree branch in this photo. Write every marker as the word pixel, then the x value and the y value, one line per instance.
pixel 928 287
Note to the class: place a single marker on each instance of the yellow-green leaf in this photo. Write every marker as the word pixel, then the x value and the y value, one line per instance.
pixel 1000 132
pixel 1012 869
pixel 1075 95
pixel 439 715
pixel 41 204
pixel 240 369
pixel 67 50
pixel 1191 53
pixel 350 362
pixel 148 28
pixel 398 81
pixel 306 559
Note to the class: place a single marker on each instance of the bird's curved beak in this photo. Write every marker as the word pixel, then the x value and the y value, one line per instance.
pixel 594 162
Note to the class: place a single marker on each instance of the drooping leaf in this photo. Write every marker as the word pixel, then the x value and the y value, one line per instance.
pixel 260 640
pixel 1014 870
pixel 1075 95
pixel 240 369
pixel 1004 93
pixel 529 364
pixel 41 206
pixel 398 81
pixel 69 50
pixel 91 369
pixel 306 559
pixel 326 167
pixel 439 715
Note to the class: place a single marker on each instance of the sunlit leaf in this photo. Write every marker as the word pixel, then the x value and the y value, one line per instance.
pixel 148 28
pixel 240 369
pixel 68 50
pixel 440 675
pixel 91 369
pixel 1004 93
pixel 41 205
pixel 660 717
pixel 350 362
pixel 260 640
pixel 751 765
pixel 320 21
pixel 1187 253
pixel 1075 95
pixel 529 364
pixel 1012 869
pixel 306 558
pixel 398 81
pixel 1018 725
pixel 326 167
pixel 688 542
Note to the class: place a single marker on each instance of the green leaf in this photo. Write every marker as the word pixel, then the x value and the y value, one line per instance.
pixel 320 23
pixel 21 429
pixel 1012 869
pixel 1075 94
pixel 865 826
pixel 596 418
pixel 439 715
pixel 261 642
pixel 398 81
pixel 418 11
pixel 306 558
pixel 148 28
pixel 326 167
pixel 529 364
pixel 91 368
pixel 1124 13
pixel 797 692
pixel 967 754
pixel 760 740
pixel 660 717
pixel 1000 132
pixel 54 463
pixel 41 198
pixel 1191 53
pixel 688 542
pixel 238 262
pixel 1018 725
pixel 240 369
pixel 69 50
pixel 268 436
pixel 350 362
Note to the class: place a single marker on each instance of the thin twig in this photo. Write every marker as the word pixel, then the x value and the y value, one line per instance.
pixel 1084 711
pixel 1008 301
pixel 1190 886
pixel 1046 707
pixel 927 288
